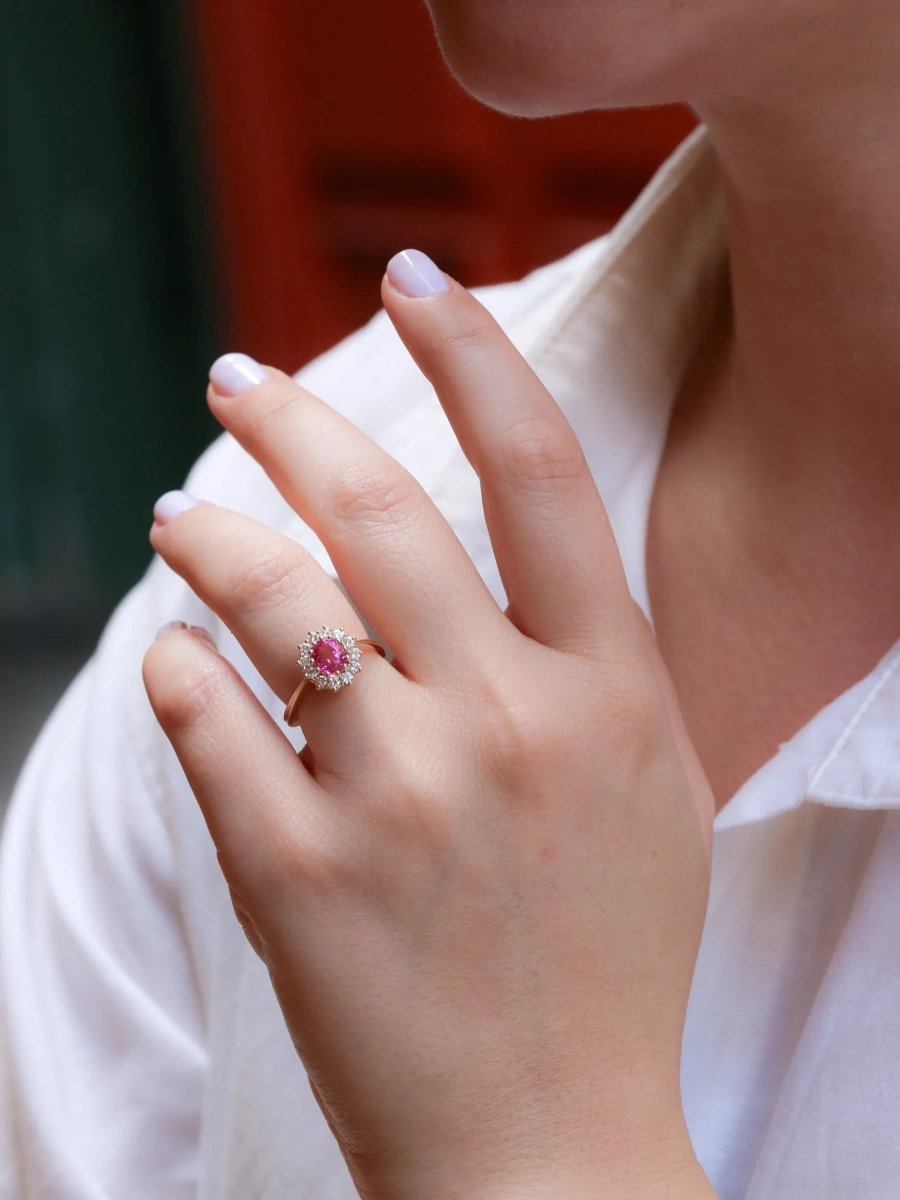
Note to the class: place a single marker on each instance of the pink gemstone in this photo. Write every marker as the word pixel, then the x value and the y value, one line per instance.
pixel 329 656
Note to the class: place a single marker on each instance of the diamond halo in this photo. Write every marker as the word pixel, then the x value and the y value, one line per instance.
pixel 329 658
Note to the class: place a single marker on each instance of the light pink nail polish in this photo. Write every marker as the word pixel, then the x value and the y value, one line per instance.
pixel 414 274
pixel 196 630
pixel 170 504
pixel 234 373
pixel 169 626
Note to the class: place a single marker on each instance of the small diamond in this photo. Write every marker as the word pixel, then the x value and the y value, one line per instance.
pixel 330 658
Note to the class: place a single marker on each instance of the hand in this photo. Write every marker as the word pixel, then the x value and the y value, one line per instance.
pixel 479 890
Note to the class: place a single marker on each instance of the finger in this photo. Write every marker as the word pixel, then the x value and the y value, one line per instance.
pixel 259 802
pixel 401 563
pixel 555 550
pixel 270 592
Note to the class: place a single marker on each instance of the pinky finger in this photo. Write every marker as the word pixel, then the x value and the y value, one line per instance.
pixel 260 804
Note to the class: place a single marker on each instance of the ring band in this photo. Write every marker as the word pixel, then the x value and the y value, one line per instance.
pixel 330 659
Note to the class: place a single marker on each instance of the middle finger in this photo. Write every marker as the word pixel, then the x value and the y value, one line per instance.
pixel 403 567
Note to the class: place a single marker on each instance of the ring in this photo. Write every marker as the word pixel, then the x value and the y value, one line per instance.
pixel 330 659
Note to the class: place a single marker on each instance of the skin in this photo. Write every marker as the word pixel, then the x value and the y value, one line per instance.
pixel 790 419
pixel 474 918
pixel 463 889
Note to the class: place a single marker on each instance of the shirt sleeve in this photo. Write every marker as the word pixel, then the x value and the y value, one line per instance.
pixel 101 1041
pixel 110 894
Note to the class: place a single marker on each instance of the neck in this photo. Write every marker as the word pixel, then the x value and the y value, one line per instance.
pixel 811 381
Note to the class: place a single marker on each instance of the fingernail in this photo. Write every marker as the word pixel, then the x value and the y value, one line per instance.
pixel 170 504
pixel 169 626
pixel 233 373
pixel 197 630
pixel 414 274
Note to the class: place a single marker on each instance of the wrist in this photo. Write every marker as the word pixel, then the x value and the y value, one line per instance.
pixel 651 1174
pixel 687 1182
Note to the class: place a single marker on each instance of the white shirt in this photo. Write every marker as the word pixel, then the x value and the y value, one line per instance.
pixel 142 1052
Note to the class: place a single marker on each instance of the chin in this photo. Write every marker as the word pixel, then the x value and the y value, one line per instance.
pixel 494 50
pixel 534 58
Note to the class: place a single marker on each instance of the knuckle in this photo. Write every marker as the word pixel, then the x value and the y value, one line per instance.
pixel 529 740
pixel 361 497
pixel 181 700
pixel 420 791
pixel 277 402
pixel 409 798
pixel 420 816
pixel 539 454
pixel 275 577
pixel 477 335
pixel 516 732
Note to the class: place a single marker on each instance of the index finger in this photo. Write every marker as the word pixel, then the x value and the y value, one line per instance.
pixel 552 540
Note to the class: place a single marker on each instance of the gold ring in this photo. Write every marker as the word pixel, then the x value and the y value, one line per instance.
pixel 330 659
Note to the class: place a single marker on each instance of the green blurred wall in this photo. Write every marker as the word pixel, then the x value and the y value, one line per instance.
pixel 107 301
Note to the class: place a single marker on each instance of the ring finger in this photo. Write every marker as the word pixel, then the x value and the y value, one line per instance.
pixel 269 591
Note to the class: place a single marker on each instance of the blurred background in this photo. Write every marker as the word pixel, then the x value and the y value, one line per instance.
pixel 183 179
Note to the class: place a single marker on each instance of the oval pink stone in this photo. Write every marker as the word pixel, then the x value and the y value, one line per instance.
pixel 329 656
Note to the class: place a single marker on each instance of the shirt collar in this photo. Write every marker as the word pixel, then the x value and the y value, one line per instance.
pixel 625 314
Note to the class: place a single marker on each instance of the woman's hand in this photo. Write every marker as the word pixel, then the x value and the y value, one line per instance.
pixel 479 890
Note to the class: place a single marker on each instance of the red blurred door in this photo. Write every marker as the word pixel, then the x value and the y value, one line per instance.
pixel 337 136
